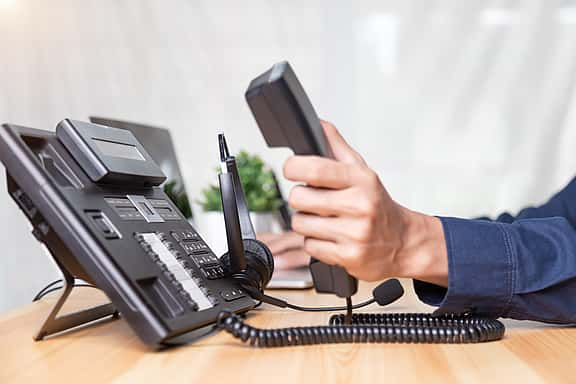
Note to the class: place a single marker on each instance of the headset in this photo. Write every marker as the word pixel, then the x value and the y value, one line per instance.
pixel 251 264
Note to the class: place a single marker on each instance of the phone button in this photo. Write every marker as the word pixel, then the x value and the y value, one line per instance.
pixel 103 224
pixel 232 294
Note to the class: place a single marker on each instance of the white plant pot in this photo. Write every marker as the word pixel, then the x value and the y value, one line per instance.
pixel 211 227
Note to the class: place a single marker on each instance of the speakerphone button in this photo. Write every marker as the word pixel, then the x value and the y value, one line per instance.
pixel 103 225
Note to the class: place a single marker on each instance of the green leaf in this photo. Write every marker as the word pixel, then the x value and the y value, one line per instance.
pixel 179 197
pixel 258 184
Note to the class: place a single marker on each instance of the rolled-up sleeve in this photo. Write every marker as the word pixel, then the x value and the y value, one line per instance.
pixel 521 267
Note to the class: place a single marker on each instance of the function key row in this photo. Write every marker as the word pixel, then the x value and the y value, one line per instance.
pixel 177 270
pixel 195 248
pixel 213 272
pixel 170 275
pixel 185 236
pixel 205 259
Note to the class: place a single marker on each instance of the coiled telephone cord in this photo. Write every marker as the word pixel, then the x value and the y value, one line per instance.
pixel 371 328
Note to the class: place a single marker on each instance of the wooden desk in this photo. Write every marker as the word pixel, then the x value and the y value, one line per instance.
pixel 110 352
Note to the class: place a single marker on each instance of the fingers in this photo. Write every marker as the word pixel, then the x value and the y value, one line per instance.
pixel 325 251
pixel 267 237
pixel 324 228
pixel 287 248
pixel 325 202
pixel 291 259
pixel 286 241
pixel 342 150
pixel 319 172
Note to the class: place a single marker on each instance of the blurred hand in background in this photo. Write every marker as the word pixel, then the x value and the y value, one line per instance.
pixel 287 248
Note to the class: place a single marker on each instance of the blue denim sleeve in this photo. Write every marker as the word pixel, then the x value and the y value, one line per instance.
pixel 521 267
pixel 563 204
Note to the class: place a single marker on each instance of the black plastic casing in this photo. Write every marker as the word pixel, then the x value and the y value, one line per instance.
pixel 284 113
pixel 287 118
pixel 59 200
pixel 78 138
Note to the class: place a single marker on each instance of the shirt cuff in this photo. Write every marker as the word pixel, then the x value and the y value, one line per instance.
pixel 480 269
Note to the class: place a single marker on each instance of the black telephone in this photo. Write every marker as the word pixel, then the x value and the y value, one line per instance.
pixel 287 118
pixel 92 195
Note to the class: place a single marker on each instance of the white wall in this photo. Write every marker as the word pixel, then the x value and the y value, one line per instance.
pixel 464 107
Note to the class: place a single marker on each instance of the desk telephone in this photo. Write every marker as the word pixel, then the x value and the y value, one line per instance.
pixel 92 195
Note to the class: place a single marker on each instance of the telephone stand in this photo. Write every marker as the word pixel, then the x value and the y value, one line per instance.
pixel 55 324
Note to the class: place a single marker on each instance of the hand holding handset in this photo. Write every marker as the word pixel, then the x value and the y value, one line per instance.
pixel 287 118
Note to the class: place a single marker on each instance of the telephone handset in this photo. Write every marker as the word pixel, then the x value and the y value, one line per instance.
pixel 287 118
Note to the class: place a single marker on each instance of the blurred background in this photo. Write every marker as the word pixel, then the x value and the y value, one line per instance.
pixel 464 108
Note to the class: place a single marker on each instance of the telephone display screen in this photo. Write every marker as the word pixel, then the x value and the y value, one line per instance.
pixel 124 151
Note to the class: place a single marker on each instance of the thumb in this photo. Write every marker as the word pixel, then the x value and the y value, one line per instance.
pixel 341 149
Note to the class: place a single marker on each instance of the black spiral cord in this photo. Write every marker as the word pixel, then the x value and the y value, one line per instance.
pixel 357 327
pixel 370 328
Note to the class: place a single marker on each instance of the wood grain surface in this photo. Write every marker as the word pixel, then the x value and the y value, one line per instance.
pixel 110 352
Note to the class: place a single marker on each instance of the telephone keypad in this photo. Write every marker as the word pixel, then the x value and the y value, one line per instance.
pixel 177 270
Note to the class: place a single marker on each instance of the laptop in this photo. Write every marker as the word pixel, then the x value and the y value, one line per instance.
pixel 158 143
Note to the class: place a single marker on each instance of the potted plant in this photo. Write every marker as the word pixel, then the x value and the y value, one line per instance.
pixel 262 198
pixel 179 197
